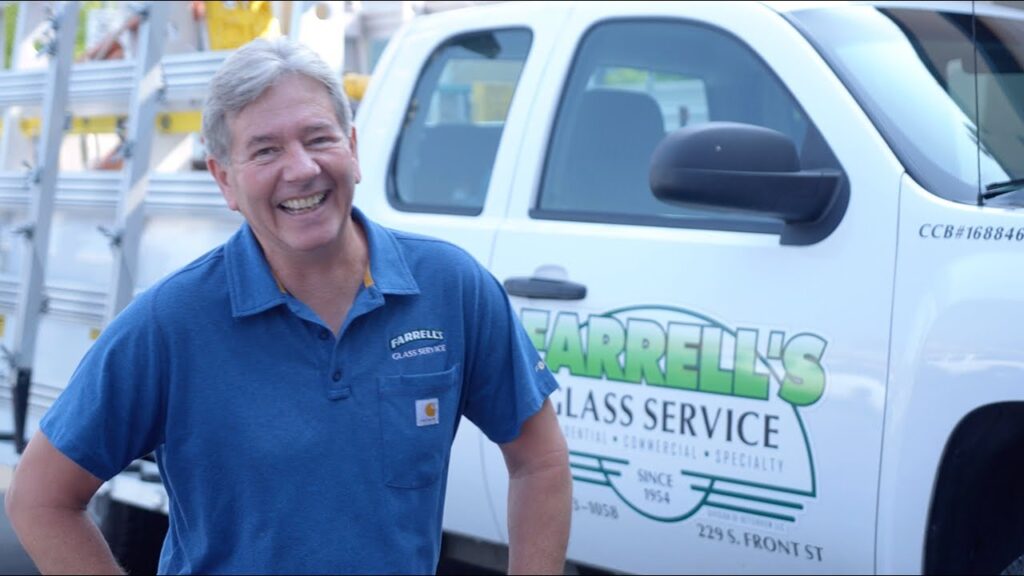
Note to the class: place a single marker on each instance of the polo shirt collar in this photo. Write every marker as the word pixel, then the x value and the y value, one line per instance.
pixel 252 287
pixel 388 269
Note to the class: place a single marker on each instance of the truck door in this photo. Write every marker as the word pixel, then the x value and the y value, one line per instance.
pixel 437 135
pixel 721 390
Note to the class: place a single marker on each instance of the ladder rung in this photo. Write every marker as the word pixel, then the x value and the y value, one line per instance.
pixel 188 190
pixel 8 292
pixel 83 304
pixel 105 81
pixel 93 81
pixel 78 303
pixel 187 76
pixel 22 87
pixel 13 188
pixel 192 190
pixel 96 188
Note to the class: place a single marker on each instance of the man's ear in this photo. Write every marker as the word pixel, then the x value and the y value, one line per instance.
pixel 220 174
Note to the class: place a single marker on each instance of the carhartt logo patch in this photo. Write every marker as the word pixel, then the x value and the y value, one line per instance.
pixel 426 412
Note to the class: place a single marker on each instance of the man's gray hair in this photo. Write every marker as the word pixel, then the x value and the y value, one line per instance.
pixel 250 71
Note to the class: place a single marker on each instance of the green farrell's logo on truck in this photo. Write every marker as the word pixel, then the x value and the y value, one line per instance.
pixel 674 412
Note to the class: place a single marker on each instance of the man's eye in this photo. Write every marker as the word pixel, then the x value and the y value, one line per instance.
pixel 321 140
pixel 263 152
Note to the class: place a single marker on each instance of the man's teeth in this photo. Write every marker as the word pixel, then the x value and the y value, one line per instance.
pixel 303 203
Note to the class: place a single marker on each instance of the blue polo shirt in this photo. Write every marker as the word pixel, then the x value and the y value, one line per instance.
pixel 283 448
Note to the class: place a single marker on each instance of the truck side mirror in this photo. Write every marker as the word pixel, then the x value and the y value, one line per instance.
pixel 746 168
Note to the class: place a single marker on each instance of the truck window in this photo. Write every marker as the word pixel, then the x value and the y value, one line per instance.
pixel 453 123
pixel 945 87
pixel 633 82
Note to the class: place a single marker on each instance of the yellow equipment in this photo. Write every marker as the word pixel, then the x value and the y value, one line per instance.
pixel 232 24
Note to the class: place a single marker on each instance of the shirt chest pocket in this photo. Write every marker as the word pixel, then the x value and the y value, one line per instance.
pixel 418 413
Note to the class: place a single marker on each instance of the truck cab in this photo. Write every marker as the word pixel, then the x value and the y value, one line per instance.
pixel 751 381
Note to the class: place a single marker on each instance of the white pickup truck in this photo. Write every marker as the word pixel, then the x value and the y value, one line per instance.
pixel 771 252
pixel 803 351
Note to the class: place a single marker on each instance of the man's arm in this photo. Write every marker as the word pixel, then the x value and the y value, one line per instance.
pixel 539 496
pixel 46 505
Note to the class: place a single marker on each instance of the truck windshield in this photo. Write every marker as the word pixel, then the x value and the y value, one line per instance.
pixel 952 113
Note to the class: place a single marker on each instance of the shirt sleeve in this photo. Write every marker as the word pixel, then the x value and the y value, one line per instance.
pixel 506 380
pixel 112 409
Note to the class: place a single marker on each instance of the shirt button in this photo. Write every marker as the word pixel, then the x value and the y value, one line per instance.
pixel 336 376
pixel 324 334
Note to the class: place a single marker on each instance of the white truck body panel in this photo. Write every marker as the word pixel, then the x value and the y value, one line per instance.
pixel 744 280
pixel 732 403
pixel 956 347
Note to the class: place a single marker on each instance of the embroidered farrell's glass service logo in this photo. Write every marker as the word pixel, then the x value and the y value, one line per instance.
pixel 433 337
pixel 416 336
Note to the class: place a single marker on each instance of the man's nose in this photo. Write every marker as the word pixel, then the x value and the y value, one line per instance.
pixel 299 165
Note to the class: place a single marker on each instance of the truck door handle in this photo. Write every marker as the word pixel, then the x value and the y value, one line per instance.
pixel 533 287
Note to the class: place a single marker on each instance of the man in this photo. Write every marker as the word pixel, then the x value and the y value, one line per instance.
pixel 301 384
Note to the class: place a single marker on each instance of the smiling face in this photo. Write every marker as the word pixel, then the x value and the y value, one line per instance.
pixel 292 171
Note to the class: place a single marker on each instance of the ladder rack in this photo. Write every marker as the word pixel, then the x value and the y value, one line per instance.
pixel 148 97
pixel 118 202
